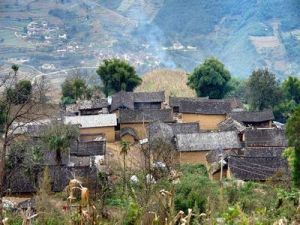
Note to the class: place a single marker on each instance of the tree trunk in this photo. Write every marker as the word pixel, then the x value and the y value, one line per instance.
pixel 124 175
pixel 2 175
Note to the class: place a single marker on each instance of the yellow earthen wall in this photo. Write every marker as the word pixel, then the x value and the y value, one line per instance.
pixel 192 157
pixel 206 122
pixel 92 133
pixel 128 138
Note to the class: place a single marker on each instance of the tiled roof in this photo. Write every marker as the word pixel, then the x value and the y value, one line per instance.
pixel 257 167
pixel 208 106
pixel 138 116
pixel 149 96
pixel 32 128
pixel 230 124
pixel 207 141
pixel 101 120
pixel 185 128
pixel 264 151
pixel 122 99
pixel 267 137
pixel 93 104
pixel 175 101
pixel 249 117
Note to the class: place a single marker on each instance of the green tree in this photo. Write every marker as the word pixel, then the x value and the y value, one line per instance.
pixel 293 134
pixel 291 93
pixel 291 89
pixel 15 68
pixel 211 79
pixel 58 137
pixel 20 93
pixel 237 87
pixel 263 90
pixel 117 75
pixel 74 89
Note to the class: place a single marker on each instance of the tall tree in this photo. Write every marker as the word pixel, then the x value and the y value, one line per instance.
pixel 20 93
pixel 291 89
pixel 74 89
pixel 293 134
pixel 263 90
pixel 210 79
pixel 15 116
pixel 117 75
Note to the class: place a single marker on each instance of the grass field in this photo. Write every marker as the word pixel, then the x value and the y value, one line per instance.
pixel 173 82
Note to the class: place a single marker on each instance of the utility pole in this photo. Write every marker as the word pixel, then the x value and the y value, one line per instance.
pixel 222 164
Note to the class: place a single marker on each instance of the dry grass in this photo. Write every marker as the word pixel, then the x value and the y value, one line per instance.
pixel 173 82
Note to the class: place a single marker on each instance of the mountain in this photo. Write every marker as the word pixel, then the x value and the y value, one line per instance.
pixel 244 34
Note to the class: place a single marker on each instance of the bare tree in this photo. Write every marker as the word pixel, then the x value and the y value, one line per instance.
pixel 16 115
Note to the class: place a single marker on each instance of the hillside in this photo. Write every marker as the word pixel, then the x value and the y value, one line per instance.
pixel 173 82
pixel 246 34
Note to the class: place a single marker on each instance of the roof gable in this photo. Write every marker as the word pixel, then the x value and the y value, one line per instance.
pixel 207 141
pixel 101 120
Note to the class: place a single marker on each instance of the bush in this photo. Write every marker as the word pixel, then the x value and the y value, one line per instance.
pixel 195 190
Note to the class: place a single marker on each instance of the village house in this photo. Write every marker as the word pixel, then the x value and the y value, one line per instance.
pixel 262 157
pixel 137 100
pixel 88 107
pixel 138 120
pixel 208 113
pixel 193 148
pixel 259 119
pixel 93 127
